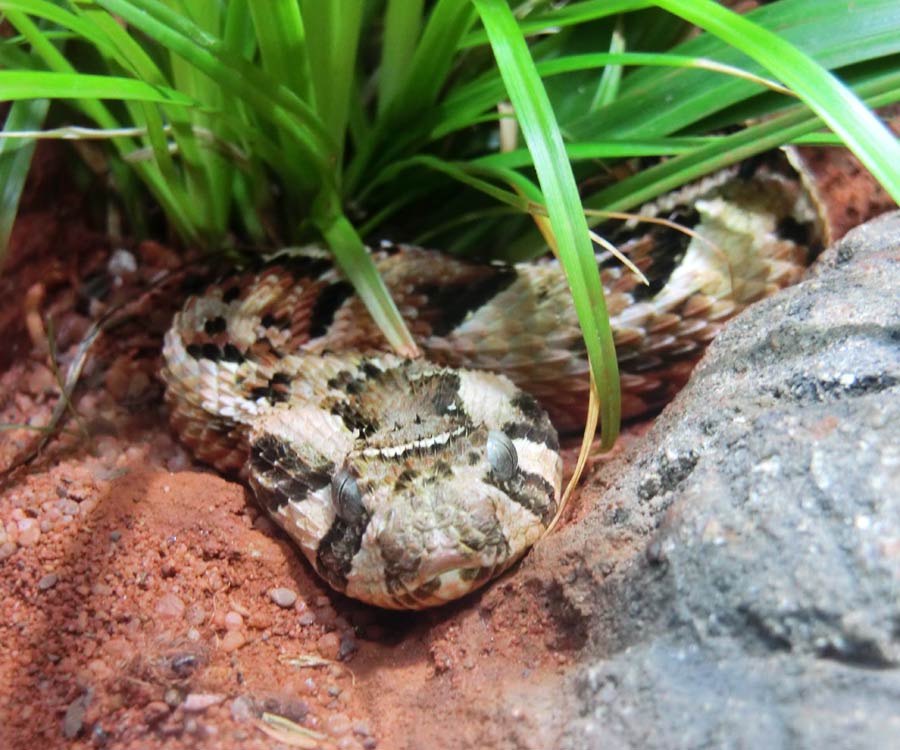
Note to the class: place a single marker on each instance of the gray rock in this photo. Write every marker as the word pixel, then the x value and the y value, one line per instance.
pixel 738 582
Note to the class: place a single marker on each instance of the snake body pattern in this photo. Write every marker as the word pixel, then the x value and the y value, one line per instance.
pixel 409 483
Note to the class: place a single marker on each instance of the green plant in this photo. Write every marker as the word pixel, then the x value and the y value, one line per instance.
pixel 281 121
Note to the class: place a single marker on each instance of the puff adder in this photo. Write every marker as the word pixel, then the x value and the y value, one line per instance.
pixel 407 484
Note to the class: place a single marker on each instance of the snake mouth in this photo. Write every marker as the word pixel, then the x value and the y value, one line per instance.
pixel 444 587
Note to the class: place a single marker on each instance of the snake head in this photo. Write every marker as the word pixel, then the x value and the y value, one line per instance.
pixel 409 485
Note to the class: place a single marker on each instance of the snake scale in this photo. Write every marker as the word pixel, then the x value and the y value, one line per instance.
pixel 408 483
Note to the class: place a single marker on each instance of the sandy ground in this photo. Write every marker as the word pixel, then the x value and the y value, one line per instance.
pixel 145 602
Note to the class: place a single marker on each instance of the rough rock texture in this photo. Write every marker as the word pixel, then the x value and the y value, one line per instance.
pixel 738 583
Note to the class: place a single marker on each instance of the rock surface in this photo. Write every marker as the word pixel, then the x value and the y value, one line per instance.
pixel 738 582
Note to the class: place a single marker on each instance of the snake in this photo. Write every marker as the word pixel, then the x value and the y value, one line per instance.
pixel 410 482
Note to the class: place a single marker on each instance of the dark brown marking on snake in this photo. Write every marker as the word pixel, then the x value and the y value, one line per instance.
pixel 442 468
pixel 488 533
pixel 427 589
pixel 399 564
pixel 541 430
pixel 469 574
pixel 403 481
pixel 280 378
pixel 445 398
pixel 334 557
pixel 537 432
pixel 215 325
pixel 271 321
pixel 327 305
pixel 458 300
pixel 798 232
pixel 528 405
pixel 230 353
pixel 473 457
pixel 210 351
pixel 194 350
pixel 282 476
pixel 339 382
pixel 231 294
pixel 353 420
pixel 347 382
pixel 371 370
pixel 532 492
pixel 272 395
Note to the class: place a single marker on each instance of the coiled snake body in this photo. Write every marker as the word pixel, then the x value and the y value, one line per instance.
pixel 410 483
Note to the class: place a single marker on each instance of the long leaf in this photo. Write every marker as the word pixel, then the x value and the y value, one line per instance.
pixel 557 182
pixel 863 133
pixel 15 161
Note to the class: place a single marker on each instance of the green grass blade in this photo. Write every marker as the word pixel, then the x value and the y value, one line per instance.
pixel 15 161
pixel 16 85
pixel 358 267
pixel 333 30
pixel 464 106
pixel 541 133
pixel 830 32
pixel 399 128
pixel 268 98
pixel 566 15
pixel 283 45
pixel 844 113
pixel 402 26
pixel 611 78
pixel 98 112
pixel 611 149
pixel 466 173
pixel 727 150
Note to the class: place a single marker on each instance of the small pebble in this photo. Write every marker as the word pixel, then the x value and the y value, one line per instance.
pixel 68 507
pixel 201 701
pixel 233 621
pixel 29 532
pixel 170 606
pixel 47 582
pixel 154 711
pixel 361 728
pixel 115 536
pixel 232 641
pixel 195 614
pixel 242 709
pixel 307 618
pixel 283 597
pixel 329 646
pixel 337 725
pixel 121 262
pixel 347 647
pixel 74 718
pixel 7 549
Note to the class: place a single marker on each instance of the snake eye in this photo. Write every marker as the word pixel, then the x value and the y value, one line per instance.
pixel 502 456
pixel 348 498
